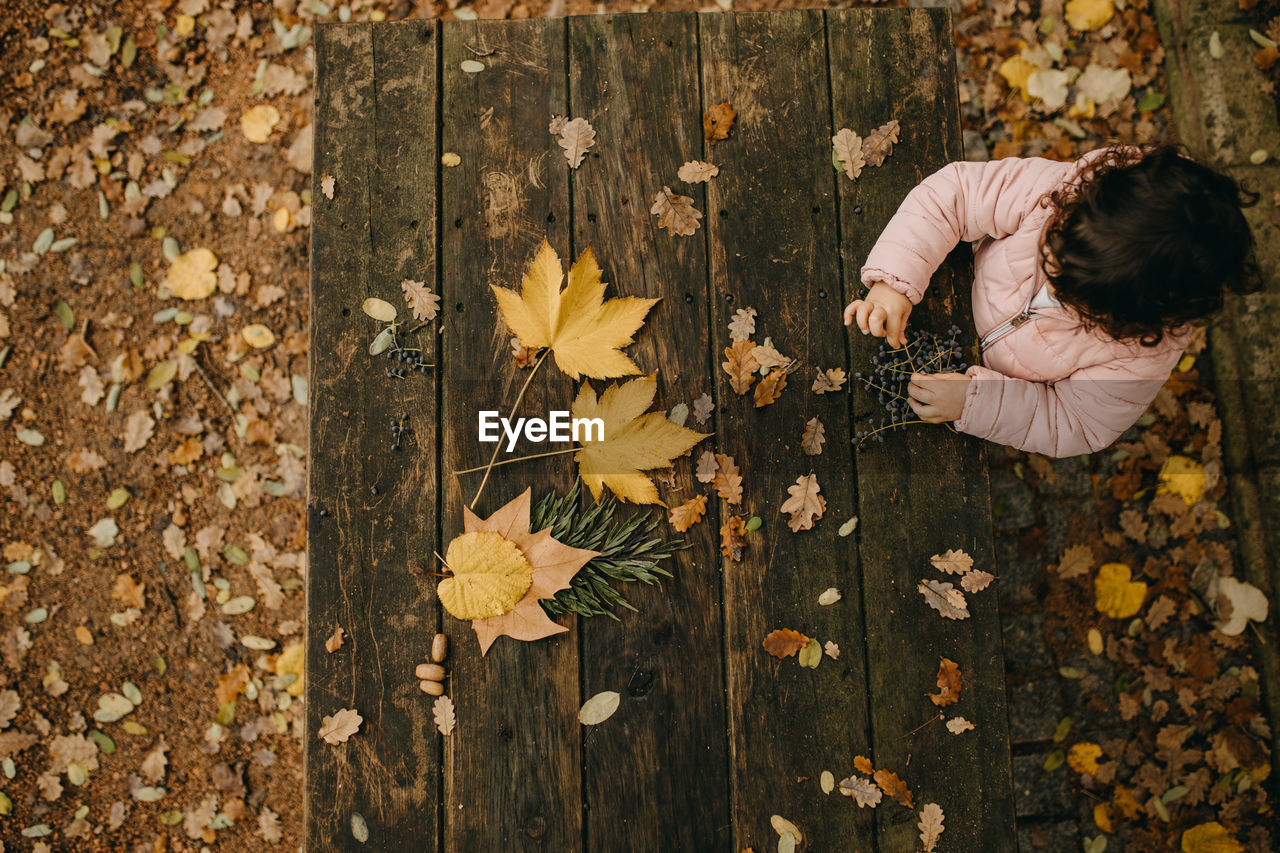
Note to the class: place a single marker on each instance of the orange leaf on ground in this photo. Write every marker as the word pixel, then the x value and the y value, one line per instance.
pixel 770 388
pixel 718 122
pixel 741 365
pixel 727 480
pixel 948 684
pixel 689 513
pixel 863 764
pixel 894 788
pixel 733 537
pixel 784 642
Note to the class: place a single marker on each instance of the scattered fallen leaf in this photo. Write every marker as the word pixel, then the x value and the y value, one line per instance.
pixel 930 826
pixel 767 356
pixel 829 596
pixel 953 562
pixel 335 640
pixel 1085 15
pixel 257 336
pixel 718 122
pixel 697 172
pixel 379 309
pixel 848 527
pixel 1246 602
pixel 1211 837
pixel 257 122
pixel 945 599
pixel 191 275
pixel 949 684
pixel 599 708
pixel 976 581
pixel 442 712
pixel 422 302
pixel 827 781
pixel 831 650
pixel 707 467
pixel 742 326
pixel 863 791
pixel 847 147
pixel 894 787
pixel 576 136
pixel 675 213
pixel 1115 594
pixel 339 726
pixel 770 388
pixel 689 513
pixel 784 642
pixel 740 365
pixel 879 143
pixel 702 408
pixel 1075 561
pixel 1184 477
pixel 1083 758
pixel 727 481
pixel 585 332
pixel 806 505
pixel 490 575
pixel 956 725
pixel 828 380
pixel 733 537
pixel 811 655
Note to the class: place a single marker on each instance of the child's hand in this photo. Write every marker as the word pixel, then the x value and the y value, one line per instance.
pixel 882 314
pixel 938 397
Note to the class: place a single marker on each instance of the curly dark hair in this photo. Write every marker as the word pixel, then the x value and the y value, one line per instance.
pixel 1147 241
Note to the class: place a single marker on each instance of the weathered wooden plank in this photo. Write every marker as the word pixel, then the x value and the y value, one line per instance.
pixel 514 770
pixel 925 489
pixel 375 134
pixel 771 233
pixel 660 779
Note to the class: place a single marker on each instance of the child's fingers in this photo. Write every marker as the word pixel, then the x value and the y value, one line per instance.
pixel 919 391
pixel 897 330
pixel 864 311
pixel 851 311
pixel 876 321
pixel 925 412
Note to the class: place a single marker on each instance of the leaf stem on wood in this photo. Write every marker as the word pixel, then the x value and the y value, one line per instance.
pixel 514 408
pixel 517 459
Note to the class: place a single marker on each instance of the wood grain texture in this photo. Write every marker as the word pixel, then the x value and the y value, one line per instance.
pixel 635 78
pixel 376 137
pixel 514 767
pixel 771 233
pixel 925 489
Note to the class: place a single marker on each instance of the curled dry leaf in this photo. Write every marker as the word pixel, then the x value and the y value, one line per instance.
pixel 335 640
pixel 930 826
pixel 339 726
pixel 831 379
pixel 953 562
pixel 977 581
pixel 770 388
pixel 879 142
pixel 949 684
pixel 806 505
pixel 945 599
pixel 767 356
pixel 957 725
pixel 814 436
pixel 831 650
pixel 576 136
pixel 740 365
pixel 743 325
pixel 863 791
pixel 599 708
pixel 697 172
pixel 707 467
pixel 689 513
pixel 443 713
pixel 784 642
pixel 718 122
pixel 894 787
pixel 847 148
pixel 727 480
pixel 733 537
pixel 675 213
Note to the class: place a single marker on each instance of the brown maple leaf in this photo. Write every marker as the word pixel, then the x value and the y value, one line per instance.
pixel 554 565
pixel 806 505
pixel 814 436
pixel 689 513
pixel 675 213
pixel 830 379
pixel 784 642
pixel 741 366
pixel 727 480
pixel 948 684
pixel 770 388
pixel 718 122
pixel 733 537
pixel 879 142
pixel 894 788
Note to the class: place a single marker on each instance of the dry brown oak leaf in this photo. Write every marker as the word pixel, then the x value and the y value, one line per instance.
pixel 576 137
pixel 948 684
pixel 848 150
pixel 805 506
pixel 675 213
pixel 770 388
pixel 727 481
pixel 743 324
pixel 689 513
pixel 784 642
pixel 697 172
pixel 718 122
pixel 733 537
pixel 554 565
pixel 814 435
pixel 740 365
pixel 894 788
pixel 879 142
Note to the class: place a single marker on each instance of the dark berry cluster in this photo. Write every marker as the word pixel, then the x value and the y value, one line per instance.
pixel 408 360
pixel 891 369
pixel 398 428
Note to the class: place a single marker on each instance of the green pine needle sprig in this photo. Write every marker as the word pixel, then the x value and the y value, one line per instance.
pixel 629 551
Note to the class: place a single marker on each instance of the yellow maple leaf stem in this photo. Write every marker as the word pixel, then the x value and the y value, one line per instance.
pixel 514 408
pixel 573 449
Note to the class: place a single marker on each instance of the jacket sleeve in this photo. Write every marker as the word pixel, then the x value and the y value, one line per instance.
pixel 1083 413
pixel 961 201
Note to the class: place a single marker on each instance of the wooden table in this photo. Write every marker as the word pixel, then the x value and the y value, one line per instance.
pixel 724 736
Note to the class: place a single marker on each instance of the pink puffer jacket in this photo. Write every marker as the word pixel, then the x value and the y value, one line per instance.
pixel 1048 385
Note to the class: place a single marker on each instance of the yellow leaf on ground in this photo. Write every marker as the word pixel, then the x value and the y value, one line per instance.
pixel 633 441
pixel 1183 477
pixel 1211 837
pixel 191 275
pixel 1085 15
pixel 490 575
pixel 1015 70
pixel 257 123
pixel 1116 595
pixel 258 336
pixel 1083 758
pixel 1102 817
pixel 291 660
pixel 585 332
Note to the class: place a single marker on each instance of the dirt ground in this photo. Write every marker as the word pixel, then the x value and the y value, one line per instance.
pixel 152 457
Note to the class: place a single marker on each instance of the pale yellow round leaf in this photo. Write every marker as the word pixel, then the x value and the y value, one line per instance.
pixel 257 336
pixel 258 122
pixel 191 275
pixel 490 576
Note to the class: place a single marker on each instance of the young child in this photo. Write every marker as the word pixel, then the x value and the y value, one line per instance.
pixel 1087 276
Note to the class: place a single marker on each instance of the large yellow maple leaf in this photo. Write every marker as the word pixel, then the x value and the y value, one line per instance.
pixel 583 331
pixel 633 441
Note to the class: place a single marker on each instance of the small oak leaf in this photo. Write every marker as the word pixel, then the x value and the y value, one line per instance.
pixel 863 791
pixel 743 325
pixel 1160 612
pixel 930 826
pixel 422 302
pixel 769 357
pixel 814 436
pixel 741 366
pixel 443 713
pixel 339 726
pixel 689 513
pixel 828 380
pixel 957 725
pixel 806 505
pixel 949 684
pixel 335 640
pixel 697 172
pixel 784 642
pixel 848 150
pixel 831 650
pixel 1075 561
pixel 770 388
pixel 702 408
pixel 945 599
pixel 894 787
pixel 718 122
pixel 576 137
pixel 976 581
pixel 675 213
pixel 733 537
pixel 863 765
pixel 953 562
pixel 879 142
pixel 707 467
pixel 727 481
